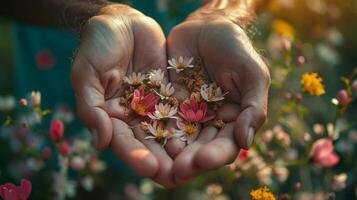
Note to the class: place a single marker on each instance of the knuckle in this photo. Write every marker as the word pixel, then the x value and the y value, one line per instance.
pixel 261 115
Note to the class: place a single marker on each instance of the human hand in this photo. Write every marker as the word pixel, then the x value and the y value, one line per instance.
pixel 225 52
pixel 115 43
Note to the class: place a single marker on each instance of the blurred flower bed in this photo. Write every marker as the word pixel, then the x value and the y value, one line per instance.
pixel 306 149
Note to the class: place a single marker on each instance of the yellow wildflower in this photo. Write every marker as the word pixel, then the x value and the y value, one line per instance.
pixel 284 28
pixel 312 84
pixel 262 193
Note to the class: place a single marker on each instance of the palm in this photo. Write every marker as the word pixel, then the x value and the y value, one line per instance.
pixel 224 51
pixel 112 47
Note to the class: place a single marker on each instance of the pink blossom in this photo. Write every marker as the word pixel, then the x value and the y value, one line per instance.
pixel 193 112
pixel 243 154
pixel 343 98
pixel 23 102
pixel 35 98
pixel 323 154
pixel 64 148
pixel 45 59
pixel 56 130
pixel 142 104
pixel 46 152
pixel 9 191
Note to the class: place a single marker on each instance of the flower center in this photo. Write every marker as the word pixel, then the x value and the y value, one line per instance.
pixel 165 93
pixel 160 133
pixel 164 113
pixel 141 108
pixel 180 66
pixel 136 82
pixel 190 129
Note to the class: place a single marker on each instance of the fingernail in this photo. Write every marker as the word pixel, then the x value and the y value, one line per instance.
pixel 95 137
pixel 250 136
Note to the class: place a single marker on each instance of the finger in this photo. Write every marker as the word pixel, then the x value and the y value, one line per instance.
pixel 132 151
pixel 175 145
pixel 150 51
pixel 184 166
pixel 177 48
pixel 164 175
pixel 116 110
pixel 254 102
pixel 90 102
pixel 219 152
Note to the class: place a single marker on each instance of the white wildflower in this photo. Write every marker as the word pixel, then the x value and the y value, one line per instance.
pixel 179 64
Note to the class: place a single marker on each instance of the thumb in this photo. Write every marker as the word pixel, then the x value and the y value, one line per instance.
pixel 90 102
pixel 254 102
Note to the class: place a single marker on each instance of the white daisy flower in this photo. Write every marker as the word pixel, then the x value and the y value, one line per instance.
pixel 180 64
pixel 187 131
pixel 212 93
pixel 156 77
pixel 165 91
pixel 163 111
pixel 134 79
pixel 157 131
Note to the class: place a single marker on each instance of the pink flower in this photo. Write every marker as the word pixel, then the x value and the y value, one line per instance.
pixel 142 104
pixel 46 152
pixel 243 154
pixel 45 59
pixel 193 112
pixel 23 102
pixel 64 148
pixel 35 98
pixel 323 154
pixel 9 191
pixel 343 98
pixel 56 130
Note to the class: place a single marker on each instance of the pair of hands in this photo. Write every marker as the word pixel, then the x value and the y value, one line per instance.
pixel 121 40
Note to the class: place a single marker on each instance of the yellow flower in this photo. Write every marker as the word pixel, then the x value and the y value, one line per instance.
pixel 284 28
pixel 312 84
pixel 262 194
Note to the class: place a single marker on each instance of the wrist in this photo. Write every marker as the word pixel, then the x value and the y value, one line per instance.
pixel 239 12
pixel 75 14
pixel 107 15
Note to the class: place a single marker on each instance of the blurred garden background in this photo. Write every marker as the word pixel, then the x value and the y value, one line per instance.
pixel 307 149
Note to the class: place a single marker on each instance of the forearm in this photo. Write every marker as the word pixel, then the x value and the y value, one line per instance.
pixel 71 14
pixel 241 12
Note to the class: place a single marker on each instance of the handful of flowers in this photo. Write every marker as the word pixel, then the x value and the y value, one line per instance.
pixel 161 103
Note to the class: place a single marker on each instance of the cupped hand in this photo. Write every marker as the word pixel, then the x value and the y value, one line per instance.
pixel 225 52
pixel 115 43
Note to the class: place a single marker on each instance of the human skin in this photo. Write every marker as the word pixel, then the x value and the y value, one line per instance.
pixel 115 40
pixel 215 36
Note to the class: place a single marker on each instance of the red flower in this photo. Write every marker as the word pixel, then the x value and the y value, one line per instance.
pixel 343 98
pixel 142 104
pixel 64 148
pixel 193 112
pixel 23 102
pixel 46 152
pixel 56 130
pixel 323 154
pixel 243 154
pixel 9 191
pixel 45 59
